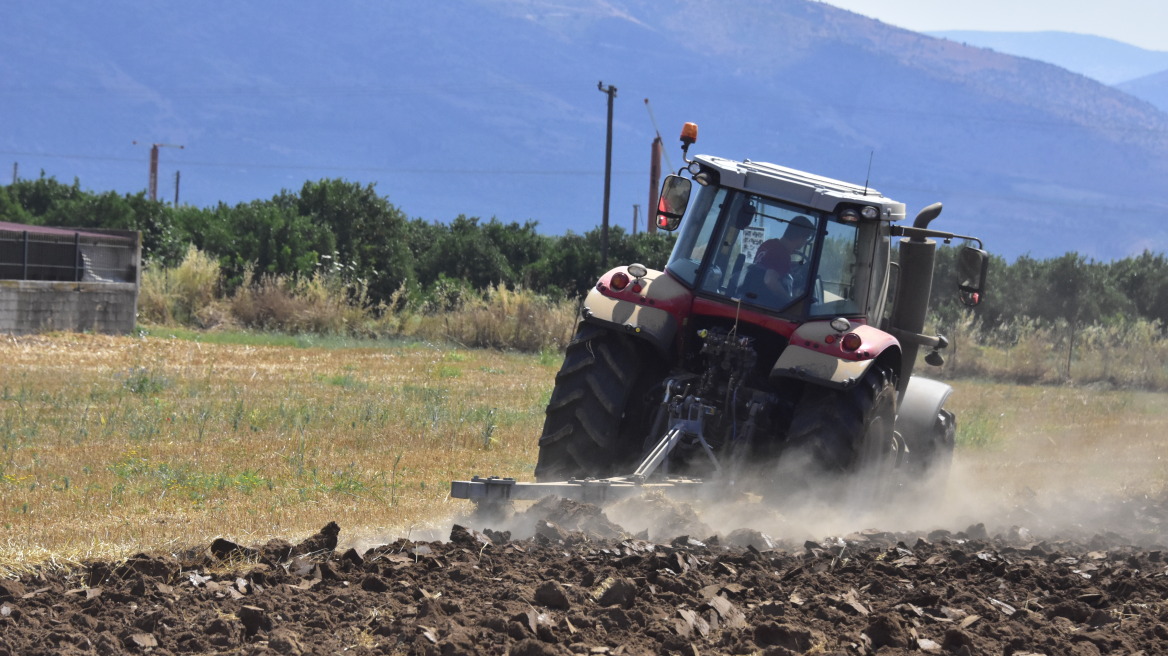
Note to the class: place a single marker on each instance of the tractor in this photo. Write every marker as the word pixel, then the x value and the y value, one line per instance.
pixel 782 329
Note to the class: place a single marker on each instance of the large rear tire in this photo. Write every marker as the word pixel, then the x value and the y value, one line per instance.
pixel 593 411
pixel 848 435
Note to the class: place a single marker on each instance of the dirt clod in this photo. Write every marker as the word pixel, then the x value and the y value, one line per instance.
pixel 584 585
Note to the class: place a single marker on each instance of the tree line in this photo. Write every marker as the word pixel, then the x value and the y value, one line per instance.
pixel 344 228
pixel 347 228
pixel 1070 289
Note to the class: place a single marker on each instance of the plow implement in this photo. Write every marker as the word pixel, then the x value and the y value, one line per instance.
pixel 599 491
pixel 686 425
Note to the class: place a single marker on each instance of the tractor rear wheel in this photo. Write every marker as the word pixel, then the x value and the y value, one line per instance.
pixel 594 411
pixel 849 434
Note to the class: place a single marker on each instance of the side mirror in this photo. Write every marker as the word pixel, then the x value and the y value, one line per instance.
pixel 972 264
pixel 673 201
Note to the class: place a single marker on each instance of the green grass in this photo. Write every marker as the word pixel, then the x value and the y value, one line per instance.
pixel 274 339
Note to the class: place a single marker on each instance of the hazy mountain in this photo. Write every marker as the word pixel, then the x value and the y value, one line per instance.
pixel 1100 58
pixel 1152 88
pixel 491 108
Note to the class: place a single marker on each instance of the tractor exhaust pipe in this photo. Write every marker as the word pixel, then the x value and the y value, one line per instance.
pixel 918 256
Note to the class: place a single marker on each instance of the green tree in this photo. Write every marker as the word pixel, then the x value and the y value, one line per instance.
pixel 266 236
pixel 11 210
pixel 370 234
pixel 39 196
pixel 466 252
pixel 1144 281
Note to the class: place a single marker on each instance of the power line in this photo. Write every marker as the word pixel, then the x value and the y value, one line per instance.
pixel 330 91
pixel 330 167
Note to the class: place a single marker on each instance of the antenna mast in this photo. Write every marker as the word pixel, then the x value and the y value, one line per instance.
pixel 868 176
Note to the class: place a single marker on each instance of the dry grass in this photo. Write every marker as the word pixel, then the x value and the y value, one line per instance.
pixel 114 445
pixel 188 295
pixel 110 445
pixel 1128 353
pixel 185 294
pixel 1018 439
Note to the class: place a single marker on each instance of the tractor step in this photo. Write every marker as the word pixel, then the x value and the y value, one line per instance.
pixel 587 490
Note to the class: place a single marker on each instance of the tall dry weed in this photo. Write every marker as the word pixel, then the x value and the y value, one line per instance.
pixel 185 295
pixel 1122 353
pixel 505 319
pixel 1127 353
pixel 316 304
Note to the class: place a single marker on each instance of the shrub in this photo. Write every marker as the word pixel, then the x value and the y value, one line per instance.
pixel 505 318
pixel 184 295
pixel 316 304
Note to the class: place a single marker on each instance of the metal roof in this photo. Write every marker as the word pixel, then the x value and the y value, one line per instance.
pixel 62 232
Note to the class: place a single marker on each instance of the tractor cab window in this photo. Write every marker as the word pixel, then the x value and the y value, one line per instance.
pixel 779 256
pixel 836 285
pixel 696 231
pixel 765 252
pixel 851 269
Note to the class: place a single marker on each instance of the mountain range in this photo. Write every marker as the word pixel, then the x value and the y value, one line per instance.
pixel 1107 60
pixel 1138 71
pixel 491 108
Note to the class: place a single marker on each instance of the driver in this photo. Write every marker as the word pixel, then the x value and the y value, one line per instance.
pixel 776 255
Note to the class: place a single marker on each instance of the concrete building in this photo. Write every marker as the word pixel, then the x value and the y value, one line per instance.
pixel 68 279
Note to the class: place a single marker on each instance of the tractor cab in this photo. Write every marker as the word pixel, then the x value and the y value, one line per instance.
pixel 780 241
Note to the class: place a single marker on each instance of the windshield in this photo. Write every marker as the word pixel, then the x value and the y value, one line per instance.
pixel 765 254
pixel 695 234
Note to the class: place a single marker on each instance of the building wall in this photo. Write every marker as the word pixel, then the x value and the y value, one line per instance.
pixel 33 306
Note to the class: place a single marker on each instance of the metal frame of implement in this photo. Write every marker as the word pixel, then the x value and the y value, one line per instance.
pixel 686 421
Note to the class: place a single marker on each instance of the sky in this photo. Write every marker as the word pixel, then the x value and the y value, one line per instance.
pixel 1137 22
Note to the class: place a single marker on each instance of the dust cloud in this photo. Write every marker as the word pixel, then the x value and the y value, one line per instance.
pixel 1034 488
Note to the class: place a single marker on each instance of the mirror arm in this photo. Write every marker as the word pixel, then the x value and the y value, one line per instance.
pixel 907 231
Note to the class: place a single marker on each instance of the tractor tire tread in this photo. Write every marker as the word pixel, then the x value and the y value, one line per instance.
pixel 581 434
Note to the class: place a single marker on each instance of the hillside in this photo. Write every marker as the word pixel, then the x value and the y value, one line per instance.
pixel 491 108
pixel 1152 88
pixel 1107 60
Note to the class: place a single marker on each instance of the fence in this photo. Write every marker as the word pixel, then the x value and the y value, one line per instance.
pixel 38 253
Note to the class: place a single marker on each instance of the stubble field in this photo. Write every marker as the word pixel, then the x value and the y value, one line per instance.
pixel 147 467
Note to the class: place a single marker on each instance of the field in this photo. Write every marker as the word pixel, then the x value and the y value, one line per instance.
pixel 167 495
pixel 114 445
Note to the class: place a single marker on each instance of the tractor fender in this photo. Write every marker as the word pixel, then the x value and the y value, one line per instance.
pixel 920 405
pixel 815 354
pixel 651 307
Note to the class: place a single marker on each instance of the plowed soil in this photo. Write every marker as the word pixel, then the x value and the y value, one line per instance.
pixel 577 583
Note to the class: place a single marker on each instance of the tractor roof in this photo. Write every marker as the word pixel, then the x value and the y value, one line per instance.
pixel 798 186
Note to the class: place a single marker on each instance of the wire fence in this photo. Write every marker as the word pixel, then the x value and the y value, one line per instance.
pixel 69 255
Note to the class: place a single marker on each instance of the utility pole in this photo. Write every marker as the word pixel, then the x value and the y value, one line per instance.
pixel 15 172
pixel 654 181
pixel 636 214
pixel 153 188
pixel 611 92
pixel 177 175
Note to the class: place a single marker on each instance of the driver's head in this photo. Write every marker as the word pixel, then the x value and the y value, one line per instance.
pixel 800 230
